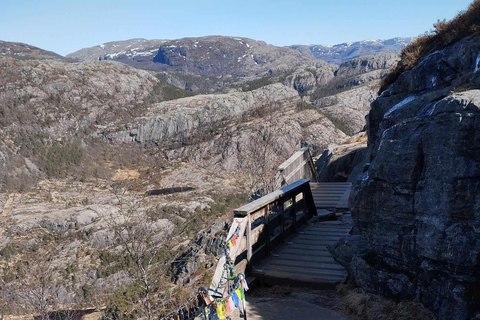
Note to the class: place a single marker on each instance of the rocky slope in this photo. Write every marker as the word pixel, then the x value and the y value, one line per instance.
pixel 24 51
pixel 94 99
pixel 47 104
pixel 347 97
pixel 215 130
pixel 416 208
pixel 343 52
pixel 133 49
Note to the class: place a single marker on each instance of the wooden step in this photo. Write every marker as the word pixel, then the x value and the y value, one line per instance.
pixel 326 265
pixel 304 258
pixel 316 238
pixel 304 271
pixel 296 278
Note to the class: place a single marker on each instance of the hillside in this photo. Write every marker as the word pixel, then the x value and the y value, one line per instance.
pixel 24 51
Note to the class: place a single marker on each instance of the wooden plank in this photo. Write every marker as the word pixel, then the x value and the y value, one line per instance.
pixel 307 259
pixel 331 183
pixel 304 271
pixel 305 278
pixel 304 252
pixel 304 237
pixel 270 198
pixel 307 265
pixel 292 159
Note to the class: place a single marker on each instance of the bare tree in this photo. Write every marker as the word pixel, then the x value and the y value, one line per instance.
pixel 258 157
pixel 142 243
pixel 38 289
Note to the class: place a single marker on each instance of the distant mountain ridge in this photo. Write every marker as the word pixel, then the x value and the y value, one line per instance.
pixel 214 55
pixel 212 63
pixel 24 51
pixel 141 50
pixel 110 50
pixel 343 52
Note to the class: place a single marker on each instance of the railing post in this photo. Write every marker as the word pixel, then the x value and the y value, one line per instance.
pixel 267 229
pixel 294 212
pixel 249 241
pixel 281 206
pixel 304 205
pixel 311 208
pixel 312 167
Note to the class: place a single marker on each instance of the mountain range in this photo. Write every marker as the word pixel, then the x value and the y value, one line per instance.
pixel 135 49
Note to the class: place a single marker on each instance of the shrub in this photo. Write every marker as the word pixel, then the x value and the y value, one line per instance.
pixel 58 159
pixel 445 33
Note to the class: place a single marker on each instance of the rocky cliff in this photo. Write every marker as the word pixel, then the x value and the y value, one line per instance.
pixel 416 209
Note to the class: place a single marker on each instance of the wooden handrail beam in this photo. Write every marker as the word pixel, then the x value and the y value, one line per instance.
pixel 299 165
pixel 270 198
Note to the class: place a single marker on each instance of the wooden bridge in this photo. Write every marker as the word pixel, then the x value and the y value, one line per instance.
pixel 284 235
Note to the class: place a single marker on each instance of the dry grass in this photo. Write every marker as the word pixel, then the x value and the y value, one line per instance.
pixel 445 33
pixel 360 305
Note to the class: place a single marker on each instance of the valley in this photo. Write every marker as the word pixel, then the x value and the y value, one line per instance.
pixel 83 143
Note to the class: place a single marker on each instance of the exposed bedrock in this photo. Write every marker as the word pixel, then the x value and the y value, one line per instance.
pixel 418 205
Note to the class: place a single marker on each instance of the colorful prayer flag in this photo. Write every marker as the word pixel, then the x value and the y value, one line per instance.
pixel 239 292
pixel 236 299
pixel 230 304
pixel 242 292
pixel 244 285
pixel 221 310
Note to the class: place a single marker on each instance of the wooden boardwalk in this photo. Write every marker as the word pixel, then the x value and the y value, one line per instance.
pixel 331 195
pixel 280 238
pixel 304 257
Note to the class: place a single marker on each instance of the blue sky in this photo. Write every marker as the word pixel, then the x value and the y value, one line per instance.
pixel 65 26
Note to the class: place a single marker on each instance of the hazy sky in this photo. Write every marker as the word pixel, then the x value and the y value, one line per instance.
pixel 65 26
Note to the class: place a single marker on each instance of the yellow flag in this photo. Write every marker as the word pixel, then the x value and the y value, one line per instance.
pixel 221 310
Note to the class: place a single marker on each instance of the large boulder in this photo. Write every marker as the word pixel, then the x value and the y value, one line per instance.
pixel 419 202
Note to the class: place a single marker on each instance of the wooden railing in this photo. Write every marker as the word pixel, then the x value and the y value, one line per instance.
pixel 264 224
pixel 299 166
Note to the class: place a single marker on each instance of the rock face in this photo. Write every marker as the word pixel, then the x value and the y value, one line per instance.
pixel 217 129
pixel 344 162
pixel 343 52
pixel 346 98
pixel 418 205
pixel 183 116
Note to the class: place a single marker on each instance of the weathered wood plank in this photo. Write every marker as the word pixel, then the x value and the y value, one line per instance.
pixel 270 198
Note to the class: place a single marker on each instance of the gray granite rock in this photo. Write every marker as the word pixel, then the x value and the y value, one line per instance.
pixel 418 204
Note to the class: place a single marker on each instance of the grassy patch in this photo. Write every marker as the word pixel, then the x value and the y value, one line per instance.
pixel 59 158
pixel 360 305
